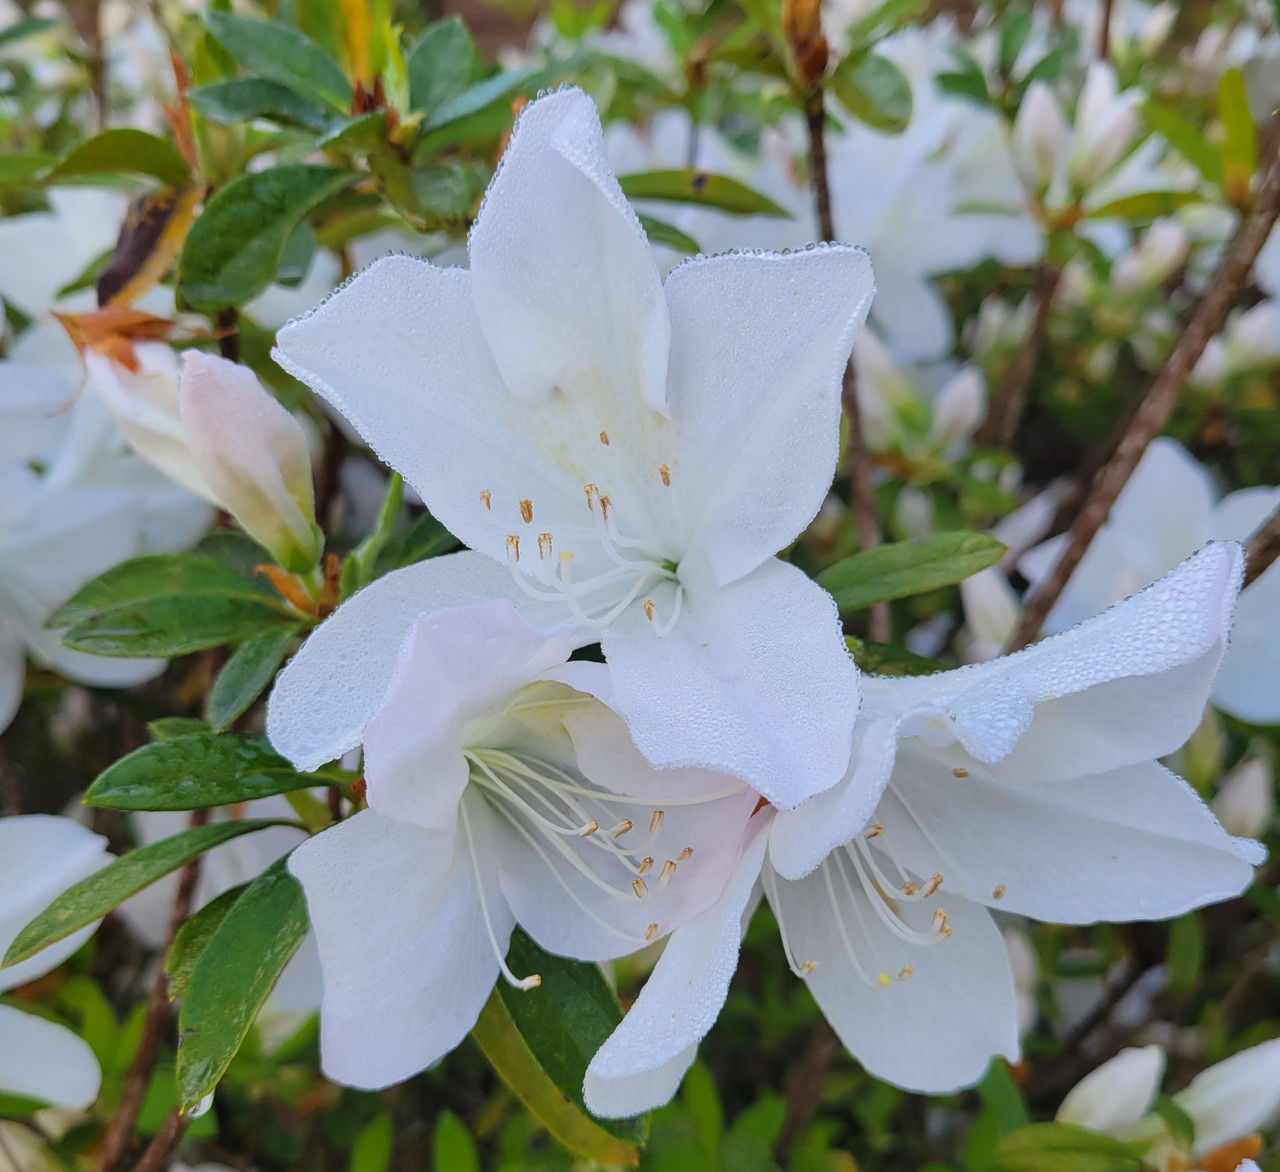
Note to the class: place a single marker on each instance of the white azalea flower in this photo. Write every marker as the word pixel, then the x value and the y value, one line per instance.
pixel 623 456
pixel 501 791
pixel 1105 125
pixel 1114 1097
pixel 1234 1097
pixel 40 857
pixel 1029 784
pixel 1165 511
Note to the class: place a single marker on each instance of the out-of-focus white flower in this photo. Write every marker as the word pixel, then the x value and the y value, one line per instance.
pixel 1165 512
pixel 1163 249
pixel 1114 1097
pixel 40 857
pixel 1233 1098
pixel 1106 122
pixel 913 512
pixel 999 329
pixel 957 409
pixel 991 613
pixel 1039 135
pixel 1025 968
pixel 1245 802
pixel 1249 341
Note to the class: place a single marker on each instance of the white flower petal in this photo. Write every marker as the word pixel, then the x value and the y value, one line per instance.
pixel 758 349
pixel 1115 1096
pixel 565 285
pixel 1234 1097
pixel 760 676
pixel 406 960
pixel 34 407
pixel 42 1060
pixel 642 1062
pixel 935 1030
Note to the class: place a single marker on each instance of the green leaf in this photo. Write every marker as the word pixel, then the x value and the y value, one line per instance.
pixel 884 659
pixel 168 727
pixel 888 15
pixel 374 1145
pixel 250 669
pixel 699 187
pixel 874 90
pixel 1240 141
pixel 23 168
pixel 192 938
pixel 1144 205
pixel 452 1148
pixel 1001 1097
pixel 92 898
pixel 564 1021
pixel 1181 1126
pixel 441 65
pixel 496 1034
pixel 234 248
pixel 660 232
pixel 295 260
pixel 244 98
pixel 281 54
pixel 447 191
pixel 1013 36
pixel 908 567
pixel 133 152
pixel 233 976
pixel 357 570
pixel 27 26
pixel 1186 952
pixel 1063 1147
pixel 196 770
pixel 500 87
pixel 1186 140
pixel 427 539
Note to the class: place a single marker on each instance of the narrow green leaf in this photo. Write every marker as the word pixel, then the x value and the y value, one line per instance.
pixel 374 1145
pixel 27 26
pixel 699 187
pixel 251 668
pixel 496 1034
pixel 1186 952
pixel 442 63
pixel 192 938
pixel 874 90
pixel 452 1148
pixel 908 567
pixel 281 54
pixel 234 248
pixel 660 232
pixel 1001 1097
pixel 500 87
pixel 884 659
pixel 357 570
pixel 1186 140
pixel 1144 205
pixel 245 98
pixel 1013 36
pixel 123 150
pixel 92 898
pixel 1240 139
pixel 233 976
pixel 427 539
pixel 1063 1147
pixel 193 771
pixel 564 1021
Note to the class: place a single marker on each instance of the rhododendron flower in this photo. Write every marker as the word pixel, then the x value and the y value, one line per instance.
pixel 624 456
pixel 40 857
pixel 1029 783
pixel 502 789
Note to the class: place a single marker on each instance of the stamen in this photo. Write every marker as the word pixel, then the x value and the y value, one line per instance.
pixel 665 473
pixel 934 883
pixel 646 865
pixel 604 438
pixel 621 829
pixel 668 873
pixel 544 545
pixel 526 511
pixel 652 930
pixel 908 888
pixel 513 548
pixel 884 980
pixel 684 854
pixel 998 893
pixel 656 821
pixel 640 887
pixel 675 613
pixel 486 498
pixel 905 972
pixel 592 492
pixel 769 882
pixel 649 608
pixel 589 829
pixel 958 771
pixel 605 505
pixel 875 831
pixel 807 968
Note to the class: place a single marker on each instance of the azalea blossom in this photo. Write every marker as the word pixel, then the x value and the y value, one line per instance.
pixel 40 857
pixel 1115 1096
pixel 502 789
pixel 1165 511
pixel 1030 784
pixel 623 456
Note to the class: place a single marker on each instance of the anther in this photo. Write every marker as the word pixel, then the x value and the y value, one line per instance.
pixel 807 967
pixel 684 854
pixel 486 498
pixel 640 887
pixel 668 873
pixel 526 511
pixel 875 831
pixel 905 972
pixel 908 888
pixel 656 821
pixel 513 548
pixel 621 829
pixel 544 545
pixel 934 883
pixel 649 609
pixel 604 438
pixel 959 772
pixel 998 893
pixel 589 829
pixel 645 865
pixel 885 980
pixel 532 981
pixel 605 505
pixel 652 930
pixel 665 473
pixel 592 492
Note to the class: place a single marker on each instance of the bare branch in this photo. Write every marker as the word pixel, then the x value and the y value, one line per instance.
pixel 1262 548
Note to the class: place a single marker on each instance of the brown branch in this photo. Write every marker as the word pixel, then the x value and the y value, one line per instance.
pixel 116 1138
pixel 1262 548
pixel 228 327
pixel 1156 407
pixel 1010 399
pixel 162 1146
pixel 860 490
pixel 1104 33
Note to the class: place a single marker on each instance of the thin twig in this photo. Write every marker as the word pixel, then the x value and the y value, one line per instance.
pixel 228 323
pixel 1010 399
pixel 1104 33
pixel 1154 411
pixel 860 490
pixel 119 1130
pixel 1262 548
pixel 163 1144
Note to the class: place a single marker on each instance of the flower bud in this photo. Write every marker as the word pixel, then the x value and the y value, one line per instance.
pixel 991 612
pixel 883 391
pixel 1113 1098
pixel 1233 1098
pixel 913 512
pixel 254 455
pixel 1156 257
pixel 1038 135
pixel 1245 803
pixel 1105 125
pixel 1026 976
pixel 1155 28
pixel 959 406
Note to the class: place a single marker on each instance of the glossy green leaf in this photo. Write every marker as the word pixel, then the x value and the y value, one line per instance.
pixel 357 570
pixel 1240 136
pixel 1144 205
pixel 660 232
pixel 442 64
pixel 234 248
pixel 93 897
pixel 297 256
pixel 689 185
pixel 500 87
pixel 357 136
pixel 496 1034
pixel 452 1148
pixel 233 976
pixel 1186 140
pixel 282 54
pixel 1063 1147
pixel 250 669
pixel 245 98
pixel 908 567
pixel 374 1145
pixel 192 938
pixel 874 90
pixel 447 191
pixel 193 771
pixel 427 539
pixel 124 151
pixel 884 659
pixel 168 727
pixel 24 168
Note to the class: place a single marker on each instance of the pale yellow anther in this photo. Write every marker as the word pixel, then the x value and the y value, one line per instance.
pixel 532 981
pixel 589 829
pixel 656 821
pixel 646 865
pixel 998 893
pixel 604 438
pixel 668 873
pixel 905 972
pixel 592 492
pixel 621 829
pixel 908 888
pixel 808 967
pixel 513 547
pixel 934 883
pixel 526 511
pixel 958 771
pixel 649 608
pixel 544 545
pixel 652 930
pixel 885 980
pixel 684 854
pixel 665 473
pixel 605 505
pixel 565 555
pixel 875 831
pixel 640 887
pixel 486 498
